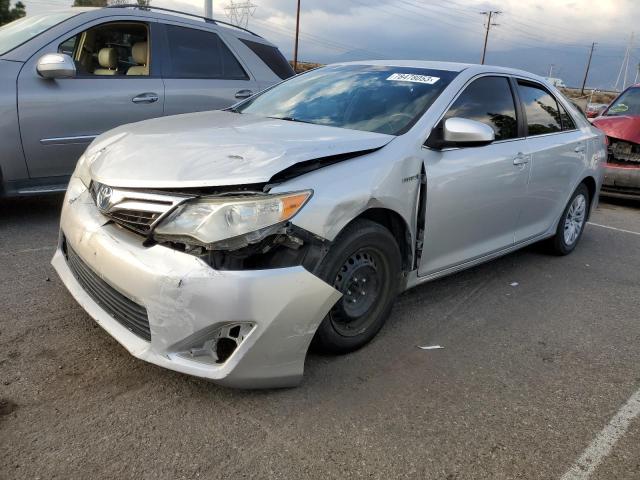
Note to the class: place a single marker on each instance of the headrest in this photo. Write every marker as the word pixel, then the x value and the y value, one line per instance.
pixel 108 58
pixel 139 53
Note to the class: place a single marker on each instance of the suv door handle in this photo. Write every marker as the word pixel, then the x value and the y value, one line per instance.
pixel 579 149
pixel 240 94
pixel 148 97
pixel 521 159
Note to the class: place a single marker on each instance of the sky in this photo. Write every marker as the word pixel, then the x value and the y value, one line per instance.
pixel 535 35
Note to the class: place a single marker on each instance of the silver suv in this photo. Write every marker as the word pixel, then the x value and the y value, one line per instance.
pixel 67 77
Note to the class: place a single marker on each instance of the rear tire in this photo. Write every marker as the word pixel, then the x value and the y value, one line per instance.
pixel 572 223
pixel 364 264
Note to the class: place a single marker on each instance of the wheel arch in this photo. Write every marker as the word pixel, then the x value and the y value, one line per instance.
pixel 398 227
pixel 591 185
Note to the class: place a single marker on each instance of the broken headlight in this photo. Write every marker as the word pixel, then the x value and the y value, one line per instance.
pixel 230 222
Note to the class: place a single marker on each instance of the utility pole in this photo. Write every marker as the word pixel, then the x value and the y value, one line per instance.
pixel 208 8
pixel 586 73
pixel 295 51
pixel 489 14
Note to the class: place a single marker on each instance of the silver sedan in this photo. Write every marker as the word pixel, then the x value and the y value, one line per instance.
pixel 223 244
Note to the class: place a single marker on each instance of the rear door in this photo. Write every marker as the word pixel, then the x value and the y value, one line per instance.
pixel 201 72
pixel 59 118
pixel 475 194
pixel 558 156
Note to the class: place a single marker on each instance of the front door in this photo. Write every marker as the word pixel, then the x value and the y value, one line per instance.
pixel 115 84
pixel 475 194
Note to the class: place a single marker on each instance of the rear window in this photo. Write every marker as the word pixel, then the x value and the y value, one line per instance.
pixel 199 54
pixel 272 57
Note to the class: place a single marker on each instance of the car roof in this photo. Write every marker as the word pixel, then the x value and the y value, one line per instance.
pixel 447 66
pixel 165 14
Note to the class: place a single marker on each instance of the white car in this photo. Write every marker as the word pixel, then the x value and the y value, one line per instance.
pixel 220 244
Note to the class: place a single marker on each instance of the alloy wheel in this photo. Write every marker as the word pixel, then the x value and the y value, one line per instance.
pixel 574 221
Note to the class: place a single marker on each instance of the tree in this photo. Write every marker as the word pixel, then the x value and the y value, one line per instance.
pixel 89 3
pixel 8 14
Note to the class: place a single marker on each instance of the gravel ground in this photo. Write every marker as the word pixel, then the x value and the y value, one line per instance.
pixel 528 376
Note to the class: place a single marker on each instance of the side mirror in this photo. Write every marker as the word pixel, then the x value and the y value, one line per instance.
pixel 461 131
pixel 56 65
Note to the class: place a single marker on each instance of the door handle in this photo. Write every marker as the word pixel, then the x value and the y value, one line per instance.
pixel 579 149
pixel 521 159
pixel 148 97
pixel 240 94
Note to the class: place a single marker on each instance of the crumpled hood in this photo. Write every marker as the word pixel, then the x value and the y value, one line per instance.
pixel 623 127
pixel 215 149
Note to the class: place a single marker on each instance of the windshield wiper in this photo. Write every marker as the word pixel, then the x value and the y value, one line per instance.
pixel 290 119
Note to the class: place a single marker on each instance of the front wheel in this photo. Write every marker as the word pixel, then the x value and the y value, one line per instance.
pixel 364 264
pixel 572 222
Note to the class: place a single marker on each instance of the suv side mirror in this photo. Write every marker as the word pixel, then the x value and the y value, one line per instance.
pixel 460 132
pixel 56 65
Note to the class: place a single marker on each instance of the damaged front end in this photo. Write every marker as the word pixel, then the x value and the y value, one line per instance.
pixel 232 228
pixel 622 170
pixel 240 311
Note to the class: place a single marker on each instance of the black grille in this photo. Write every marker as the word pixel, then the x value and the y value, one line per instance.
pixel 128 313
pixel 136 220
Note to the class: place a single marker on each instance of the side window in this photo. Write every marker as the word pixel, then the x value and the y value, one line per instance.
pixel 488 100
pixel 272 57
pixel 110 49
pixel 199 54
pixel 567 121
pixel 541 108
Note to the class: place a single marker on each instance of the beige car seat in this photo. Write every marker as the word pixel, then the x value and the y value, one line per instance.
pixel 108 60
pixel 139 53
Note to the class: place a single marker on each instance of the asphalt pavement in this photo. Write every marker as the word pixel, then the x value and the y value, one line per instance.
pixel 539 354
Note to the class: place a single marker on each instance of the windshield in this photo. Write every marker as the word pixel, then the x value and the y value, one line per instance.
pixel 626 104
pixel 19 31
pixel 360 97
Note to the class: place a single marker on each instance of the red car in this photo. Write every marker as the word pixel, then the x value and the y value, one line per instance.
pixel 620 121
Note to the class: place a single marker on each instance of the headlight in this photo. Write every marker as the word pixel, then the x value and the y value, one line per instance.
pixel 231 222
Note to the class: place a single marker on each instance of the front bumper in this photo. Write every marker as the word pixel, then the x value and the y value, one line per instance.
pixel 622 182
pixel 185 298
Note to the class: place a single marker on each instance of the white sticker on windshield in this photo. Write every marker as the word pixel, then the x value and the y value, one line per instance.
pixel 411 77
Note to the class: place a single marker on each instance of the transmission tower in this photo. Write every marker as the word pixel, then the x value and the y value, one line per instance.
pixel 239 12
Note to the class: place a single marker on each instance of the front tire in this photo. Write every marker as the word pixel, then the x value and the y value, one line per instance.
pixel 572 222
pixel 364 264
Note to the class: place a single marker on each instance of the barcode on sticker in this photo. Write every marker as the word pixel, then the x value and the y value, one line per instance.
pixel 411 77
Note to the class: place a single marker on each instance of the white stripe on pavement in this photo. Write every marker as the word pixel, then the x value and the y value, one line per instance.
pixel 601 446
pixel 614 228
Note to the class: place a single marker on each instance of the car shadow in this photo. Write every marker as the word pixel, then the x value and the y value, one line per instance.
pixel 24 210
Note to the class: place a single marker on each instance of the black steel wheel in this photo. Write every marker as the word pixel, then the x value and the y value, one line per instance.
pixel 364 264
